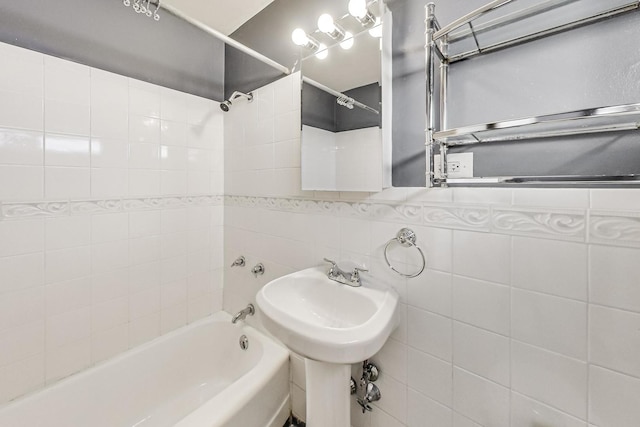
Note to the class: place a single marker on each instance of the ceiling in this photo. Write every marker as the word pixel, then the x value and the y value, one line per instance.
pixel 225 16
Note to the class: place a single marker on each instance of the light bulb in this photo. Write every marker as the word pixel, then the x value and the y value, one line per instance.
pixel 358 8
pixel 299 37
pixel 325 23
pixel 376 31
pixel 322 51
pixel 348 41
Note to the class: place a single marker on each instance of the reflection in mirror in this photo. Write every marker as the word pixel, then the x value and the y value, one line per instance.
pixel 342 114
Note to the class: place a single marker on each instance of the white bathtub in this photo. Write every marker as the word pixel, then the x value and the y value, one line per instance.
pixel 194 377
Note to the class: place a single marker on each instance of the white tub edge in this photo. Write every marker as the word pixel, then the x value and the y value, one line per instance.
pixel 241 391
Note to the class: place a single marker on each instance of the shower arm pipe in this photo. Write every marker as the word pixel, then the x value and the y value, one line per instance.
pixel 338 94
pixel 226 39
pixel 237 94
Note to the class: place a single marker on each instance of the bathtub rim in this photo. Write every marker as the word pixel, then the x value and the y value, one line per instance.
pixel 270 348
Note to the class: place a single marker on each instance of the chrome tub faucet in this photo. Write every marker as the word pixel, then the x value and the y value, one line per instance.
pixel 242 314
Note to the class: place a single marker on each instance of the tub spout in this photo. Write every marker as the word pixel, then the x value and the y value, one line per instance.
pixel 242 314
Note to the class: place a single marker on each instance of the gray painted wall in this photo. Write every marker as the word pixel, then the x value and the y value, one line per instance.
pixel 107 35
pixel 244 73
pixel 318 108
pixel 408 154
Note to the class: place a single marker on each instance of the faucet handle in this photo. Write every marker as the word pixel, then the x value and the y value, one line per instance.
pixel 239 262
pixel 333 263
pixel 355 276
pixel 333 270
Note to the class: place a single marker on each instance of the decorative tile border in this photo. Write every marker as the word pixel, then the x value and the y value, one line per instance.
pixel 34 210
pixel 393 212
pixel 87 207
pixel 402 213
pixel 457 217
pixel 618 228
pixel 561 224
pixel 565 225
pixel 615 228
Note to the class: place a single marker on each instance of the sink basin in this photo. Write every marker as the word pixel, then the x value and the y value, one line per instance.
pixel 326 321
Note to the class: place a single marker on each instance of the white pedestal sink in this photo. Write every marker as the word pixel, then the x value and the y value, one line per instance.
pixel 333 326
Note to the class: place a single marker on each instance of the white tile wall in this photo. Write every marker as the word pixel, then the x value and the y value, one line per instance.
pixel 566 279
pixel 554 323
pixel 79 285
pixel 526 411
pixel 328 159
pixel 479 399
pixel 501 329
pixel 482 352
pixel 615 339
pixel 614 398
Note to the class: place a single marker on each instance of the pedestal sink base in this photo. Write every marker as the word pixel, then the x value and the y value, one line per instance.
pixel 328 394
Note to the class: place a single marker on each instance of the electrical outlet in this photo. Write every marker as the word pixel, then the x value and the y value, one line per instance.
pixel 459 165
pixel 453 166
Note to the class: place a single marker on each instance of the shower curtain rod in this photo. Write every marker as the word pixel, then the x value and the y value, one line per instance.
pixel 339 94
pixel 228 40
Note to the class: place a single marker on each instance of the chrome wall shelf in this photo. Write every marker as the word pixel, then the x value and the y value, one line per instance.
pixel 502 24
pixel 631 180
pixel 505 23
pixel 581 122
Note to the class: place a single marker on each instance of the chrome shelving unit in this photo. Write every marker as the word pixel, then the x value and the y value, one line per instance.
pixel 482 32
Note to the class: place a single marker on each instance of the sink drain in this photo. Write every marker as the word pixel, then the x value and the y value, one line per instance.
pixel 244 342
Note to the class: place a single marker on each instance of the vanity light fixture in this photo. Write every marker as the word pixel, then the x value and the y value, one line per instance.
pixel 301 38
pixel 327 25
pixel 358 9
pixel 330 28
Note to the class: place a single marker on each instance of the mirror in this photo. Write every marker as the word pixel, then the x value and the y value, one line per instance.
pixel 344 125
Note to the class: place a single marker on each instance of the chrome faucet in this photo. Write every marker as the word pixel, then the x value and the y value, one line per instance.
pixel 242 314
pixel 336 274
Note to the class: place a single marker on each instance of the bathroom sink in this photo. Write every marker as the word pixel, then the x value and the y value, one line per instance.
pixel 327 321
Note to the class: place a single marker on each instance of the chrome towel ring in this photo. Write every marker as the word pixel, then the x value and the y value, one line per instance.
pixel 405 237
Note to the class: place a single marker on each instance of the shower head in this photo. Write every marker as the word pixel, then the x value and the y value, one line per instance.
pixel 226 105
